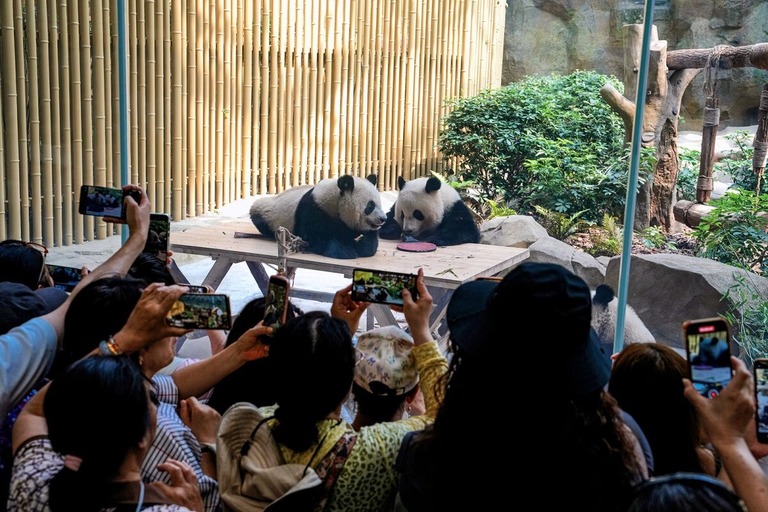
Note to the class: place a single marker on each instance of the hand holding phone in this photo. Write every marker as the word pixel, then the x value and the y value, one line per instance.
pixel 158 236
pixel 276 301
pixel 105 201
pixel 708 350
pixel 382 287
pixel 201 311
pixel 760 372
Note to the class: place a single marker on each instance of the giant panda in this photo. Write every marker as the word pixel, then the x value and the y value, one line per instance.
pixel 604 307
pixel 337 217
pixel 428 210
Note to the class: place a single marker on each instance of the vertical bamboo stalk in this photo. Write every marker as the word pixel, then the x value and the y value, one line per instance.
pixel 274 86
pixel 83 28
pixel 243 152
pixel 133 28
pixel 159 78
pixel 208 47
pixel 313 128
pixel 432 110
pixel 67 138
pixel 219 102
pixel 199 137
pixel 11 112
pixel 327 80
pixel 188 57
pixel 113 97
pixel 99 106
pixel 35 168
pixel 388 128
pixel 305 35
pixel 215 107
pixel 150 73
pixel 282 97
pixel 265 184
pixel 192 120
pixel 360 37
pixel 247 103
pixel 3 177
pixel 408 74
pixel 346 110
pixel 335 93
pixel 167 80
pixel 21 92
pixel 52 53
pixel 178 119
pixel 374 90
pixel 292 112
pixel 78 166
pixel 225 172
pixel 256 171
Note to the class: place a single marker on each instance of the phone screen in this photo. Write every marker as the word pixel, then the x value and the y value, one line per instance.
pixel 276 303
pixel 381 287
pixel 761 399
pixel 159 234
pixel 64 278
pixel 101 201
pixel 201 311
pixel 707 345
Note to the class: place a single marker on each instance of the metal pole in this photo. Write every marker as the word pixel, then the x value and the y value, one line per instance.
pixel 634 165
pixel 122 57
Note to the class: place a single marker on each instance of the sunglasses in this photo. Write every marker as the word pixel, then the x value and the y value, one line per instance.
pixel 38 247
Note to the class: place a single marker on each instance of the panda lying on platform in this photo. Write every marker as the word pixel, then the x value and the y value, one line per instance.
pixel 604 310
pixel 429 211
pixel 338 218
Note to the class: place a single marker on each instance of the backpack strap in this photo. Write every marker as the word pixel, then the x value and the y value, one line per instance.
pixel 331 465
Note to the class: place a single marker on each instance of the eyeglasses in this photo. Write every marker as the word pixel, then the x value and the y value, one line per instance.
pixel 38 247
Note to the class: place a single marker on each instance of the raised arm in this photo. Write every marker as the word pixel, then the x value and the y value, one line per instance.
pixel 725 419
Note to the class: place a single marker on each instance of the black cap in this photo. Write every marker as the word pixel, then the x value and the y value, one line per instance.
pixel 18 303
pixel 541 301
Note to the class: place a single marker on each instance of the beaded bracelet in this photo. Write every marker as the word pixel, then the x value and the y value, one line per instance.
pixel 110 347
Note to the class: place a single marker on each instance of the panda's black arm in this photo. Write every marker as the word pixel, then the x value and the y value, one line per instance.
pixel 457 227
pixel 390 230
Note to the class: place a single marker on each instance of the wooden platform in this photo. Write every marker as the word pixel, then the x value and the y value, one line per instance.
pixel 444 269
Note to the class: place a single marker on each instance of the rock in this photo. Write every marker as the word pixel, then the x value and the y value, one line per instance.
pixel 511 231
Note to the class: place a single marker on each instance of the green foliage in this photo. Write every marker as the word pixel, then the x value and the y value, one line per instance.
pixel 734 232
pixel 499 210
pixel 654 237
pixel 549 141
pixel 559 225
pixel 738 162
pixel 689 163
pixel 748 316
pixel 607 239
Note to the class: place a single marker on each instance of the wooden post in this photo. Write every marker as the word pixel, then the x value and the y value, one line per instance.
pixel 761 138
pixel 704 185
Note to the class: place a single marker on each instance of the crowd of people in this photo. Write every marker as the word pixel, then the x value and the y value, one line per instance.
pixel 99 412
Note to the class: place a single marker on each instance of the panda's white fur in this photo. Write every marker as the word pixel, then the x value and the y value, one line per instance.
pixel 337 217
pixel 430 211
pixel 604 308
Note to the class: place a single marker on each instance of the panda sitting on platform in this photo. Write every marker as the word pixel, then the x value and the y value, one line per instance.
pixel 427 210
pixel 338 218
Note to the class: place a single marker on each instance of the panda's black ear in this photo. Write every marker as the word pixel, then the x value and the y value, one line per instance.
pixel 372 178
pixel 603 295
pixel 400 182
pixel 433 184
pixel 346 183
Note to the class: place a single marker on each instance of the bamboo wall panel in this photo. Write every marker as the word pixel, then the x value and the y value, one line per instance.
pixel 227 99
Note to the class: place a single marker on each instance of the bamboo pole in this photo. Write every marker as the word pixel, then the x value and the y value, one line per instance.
pixel 143 107
pixel 386 134
pixel 258 178
pixel 335 93
pixel 150 72
pixel 3 196
pixel 305 43
pixel 178 183
pixel 374 91
pixel 133 23
pixel 432 109
pixel 293 124
pixel 200 117
pixel 192 120
pixel 219 163
pixel 326 79
pixel 187 156
pixel 282 108
pixel 93 228
pixel 272 179
pixel 314 168
pixel 399 93
pixel 83 228
pixel 35 168
pixel 246 100
pixel 69 226
pixel 209 76
pixel 409 79
pixel 50 22
pixel 224 178
pixel 167 80
pixel 99 106
pixel 159 78
pixel 23 140
pixel 112 102
pixel 243 118
pixel 265 186
pixel 11 113
pixel 343 113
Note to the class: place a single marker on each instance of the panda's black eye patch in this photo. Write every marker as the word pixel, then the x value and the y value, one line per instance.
pixel 370 207
pixel 418 215
pixel 402 215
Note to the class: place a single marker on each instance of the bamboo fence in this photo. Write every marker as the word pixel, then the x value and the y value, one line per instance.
pixel 227 99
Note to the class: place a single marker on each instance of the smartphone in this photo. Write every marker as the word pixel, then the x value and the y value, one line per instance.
pixel 201 311
pixel 276 301
pixel 708 350
pixel 64 278
pixel 158 236
pixel 381 287
pixel 104 201
pixel 760 370
pixel 195 288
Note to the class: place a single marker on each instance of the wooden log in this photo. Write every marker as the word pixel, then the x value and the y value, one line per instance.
pixel 690 213
pixel 755 55
pixel 704 185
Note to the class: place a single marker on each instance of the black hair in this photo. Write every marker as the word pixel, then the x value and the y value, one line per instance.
pixel 97 410
pixel 253 382
pixel 21 264
pixel 376 408
pixel 149 268
pixel 98 311
pixel 314 363
pixel 684 492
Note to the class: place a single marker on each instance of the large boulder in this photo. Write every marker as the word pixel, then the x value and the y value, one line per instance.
pixel 511 231
pixel 667 289
pixel 552 250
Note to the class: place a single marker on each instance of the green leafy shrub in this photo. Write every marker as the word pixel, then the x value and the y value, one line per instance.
pixel 606 240
pixel 688 175
pixel 738 162
pixel 654 237
pixel 734 232
pixel 748 316
pixel 559 225
pixel 549 141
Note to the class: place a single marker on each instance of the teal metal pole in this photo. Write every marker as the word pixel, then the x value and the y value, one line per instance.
pixel 634 166
pixel 122 58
